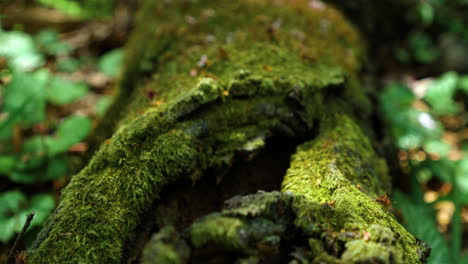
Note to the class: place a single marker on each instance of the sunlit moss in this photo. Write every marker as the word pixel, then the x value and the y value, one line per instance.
pixel 338 179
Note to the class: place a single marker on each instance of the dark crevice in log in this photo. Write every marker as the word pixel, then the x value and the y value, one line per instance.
pixel 182 202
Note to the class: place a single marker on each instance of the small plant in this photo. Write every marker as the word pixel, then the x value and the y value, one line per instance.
pixel 417 115
pixel 38 126
pixel 33 147
pixel 15 208
pixel 87 8
pixel 107 62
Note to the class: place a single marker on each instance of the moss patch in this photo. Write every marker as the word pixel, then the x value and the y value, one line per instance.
pixel 337 179
pixel 223 84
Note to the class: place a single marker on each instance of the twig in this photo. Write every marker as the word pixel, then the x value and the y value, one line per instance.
pixel 29 219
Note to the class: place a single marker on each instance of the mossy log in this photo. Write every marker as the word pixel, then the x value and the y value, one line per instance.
pixel 209 85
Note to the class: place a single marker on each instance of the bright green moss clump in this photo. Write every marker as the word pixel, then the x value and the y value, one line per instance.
pixel 339 183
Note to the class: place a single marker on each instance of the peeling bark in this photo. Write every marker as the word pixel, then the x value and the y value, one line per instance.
pixel 203 89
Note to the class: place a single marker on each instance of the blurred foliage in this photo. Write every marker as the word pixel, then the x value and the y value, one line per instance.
pixel 107 62
pixel 417 114
pixel 35 79
pixel 437 26
pixel 48 42
pixel 416 125
pixel 420 221
pixel 410 128
pixel 81 8
pixel 15 207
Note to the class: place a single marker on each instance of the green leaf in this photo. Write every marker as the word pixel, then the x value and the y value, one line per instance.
pixel 61 91
pixel 396 97
pixel 81 9
pixel 102 105
pixel 412 128
pixel 42 205
pixel 419 220
pixel 443 168
pixel 38 167
pixel 10 207
pixel 10 202
pixel 72 130
pixel 50 169
pixel 437 147
pixel 111 62
pixel 39 158
pixel 25 177
pixel 440 94
pixel 7 163
pixel 8 229
pixel 423 174
pixel 6 129
pixel 409 127
pixel 426 13
pixel 465 146
pixel 48 40
pixel 423 48
pixel 34 153
pixel 463 83
pixel 35 164
pixel 68 64
pixel 14 208
pixel 20 50
pixel 462 179
pixel 464 260
pixel 57 167
pixel 69 7
pixel 24 99
pixel 35 146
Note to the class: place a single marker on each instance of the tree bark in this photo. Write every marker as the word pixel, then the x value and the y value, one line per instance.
pixel 210 87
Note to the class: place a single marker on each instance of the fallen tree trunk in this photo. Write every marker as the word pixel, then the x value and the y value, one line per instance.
pixel 204 93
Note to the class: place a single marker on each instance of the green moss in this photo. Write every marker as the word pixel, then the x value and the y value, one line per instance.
pixel 141 54
pixel 381 234
pixel 359 251
pixel 315 247
pixel 259 45
pixel 165 255
pixel 165 247
pixel 157 148
pixel 250 228
pixel 266 204
pixel 342 154
pixel 104 199
pixel 222 231
pixel 336 179
pixel 220 84
pixel 252 225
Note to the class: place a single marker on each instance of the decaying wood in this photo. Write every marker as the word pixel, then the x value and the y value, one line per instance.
pixel 204 91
